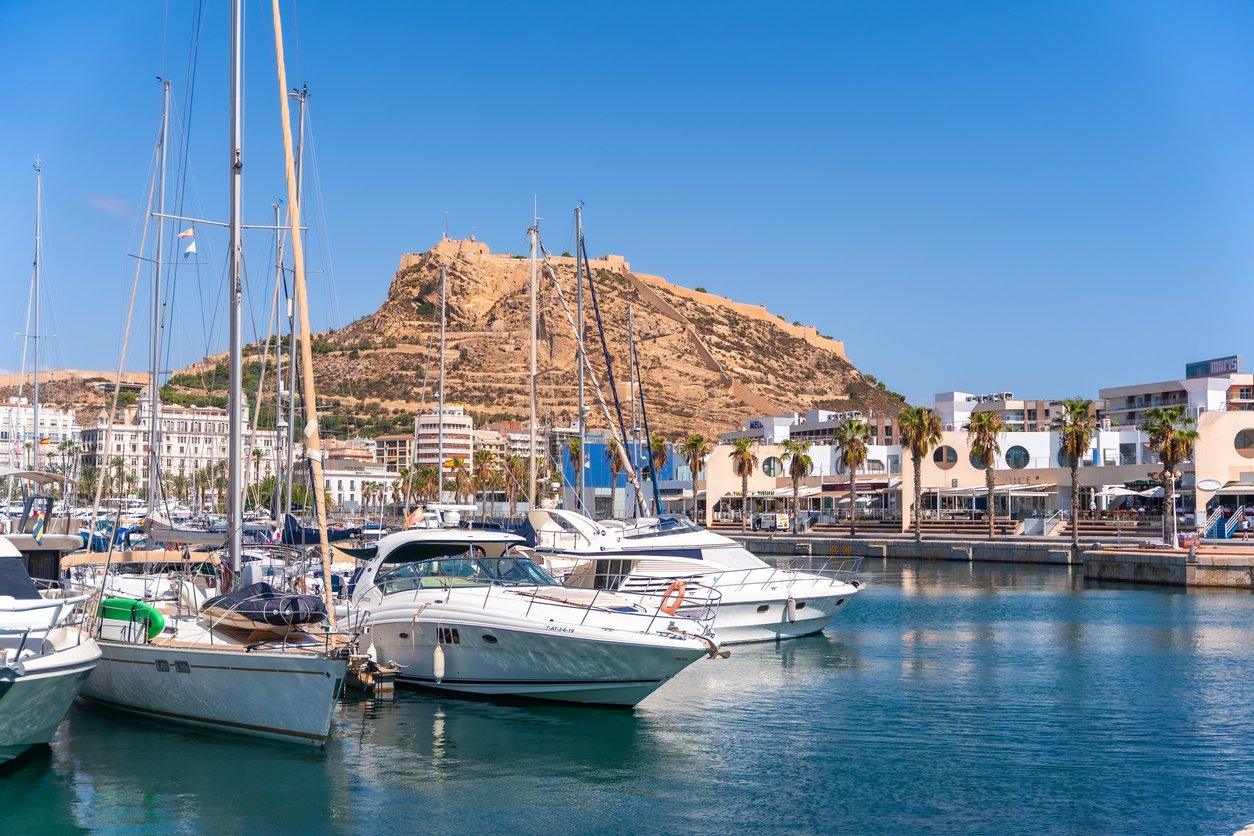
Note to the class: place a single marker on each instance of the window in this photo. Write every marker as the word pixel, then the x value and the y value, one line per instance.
pixel 1017 457
pixel 1064 459
pixel 1244 443
pixel 975 461
pixel 945 457
pixel 772 466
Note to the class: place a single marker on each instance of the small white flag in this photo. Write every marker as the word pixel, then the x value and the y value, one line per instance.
pixel 191 248
pixel 190 232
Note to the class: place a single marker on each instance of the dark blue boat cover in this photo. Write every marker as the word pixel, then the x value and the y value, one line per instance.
pixel 15 581
pixel 294 534
pixel 260 602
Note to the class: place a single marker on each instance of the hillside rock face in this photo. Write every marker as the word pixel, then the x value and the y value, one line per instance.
pixel 706 363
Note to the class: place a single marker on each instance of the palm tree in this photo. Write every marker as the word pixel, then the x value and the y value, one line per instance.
pixel 426 482
pixel 516 470
pixel 983 432
pixel 86 484
pixel 1075 426
pixel 462 483
pixel 851 436
pixel 1172 435
pixel 695 449
pixel 921 431
pixel 659 455
pixel 615 463
pixel 799 465
pixel 405 482
pixel 744 461
pixel 483 467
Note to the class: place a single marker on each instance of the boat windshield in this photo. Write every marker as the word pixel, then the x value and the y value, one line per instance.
pixel 664 527
pixel 467 570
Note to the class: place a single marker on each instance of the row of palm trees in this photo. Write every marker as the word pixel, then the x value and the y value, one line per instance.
pixel 479 476
pixel 1172 435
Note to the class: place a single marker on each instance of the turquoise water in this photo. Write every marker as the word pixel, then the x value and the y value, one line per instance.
pixel 948 698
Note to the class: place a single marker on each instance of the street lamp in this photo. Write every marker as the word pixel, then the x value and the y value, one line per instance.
pixel 1172 475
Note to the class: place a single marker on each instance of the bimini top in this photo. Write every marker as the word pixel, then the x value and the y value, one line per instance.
pixel 37 476
pixel 427 543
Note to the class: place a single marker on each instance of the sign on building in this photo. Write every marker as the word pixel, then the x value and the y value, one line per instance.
pixel 1213 368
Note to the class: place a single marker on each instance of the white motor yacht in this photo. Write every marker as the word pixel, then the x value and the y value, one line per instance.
pixel 44 657
pixel 459 610
pixel 758 602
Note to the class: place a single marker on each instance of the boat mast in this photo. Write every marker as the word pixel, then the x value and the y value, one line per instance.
pixel 313 446
pixel 39 194
pixel 439 491
pixel 579 478
pixel 633 444
pixel 154 437
pixel 533 234
pixel 301 97
pixel 281 428
pixel 234 511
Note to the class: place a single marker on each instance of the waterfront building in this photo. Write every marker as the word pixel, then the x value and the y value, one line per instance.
pixel 394 451
pixel 192 438
pixel 347 479
pixel 490 440
pixel 354 449
pixel 458 435
pixel 1018 415
pixel 18 433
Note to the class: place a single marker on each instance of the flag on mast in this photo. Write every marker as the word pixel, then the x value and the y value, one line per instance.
pixel 191 249
pixel 190 232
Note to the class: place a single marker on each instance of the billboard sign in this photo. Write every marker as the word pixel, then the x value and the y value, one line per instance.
pixel 1213 368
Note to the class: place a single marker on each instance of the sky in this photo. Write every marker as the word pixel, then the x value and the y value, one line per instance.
pixel 1044 198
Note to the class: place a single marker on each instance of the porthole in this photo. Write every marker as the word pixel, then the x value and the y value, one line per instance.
pixel 763 608
pixel 1065 459
pixel 404 635
pixel 1017 457
pixel 945 457
pixel 801 605
pixel 1244 443
pixel 975 461
pixel 773 466
pixel 489 639
pixel 840 601
pixel 163 665
pixel 183 667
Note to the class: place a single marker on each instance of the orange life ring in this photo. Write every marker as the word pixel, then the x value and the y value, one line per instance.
pixel 677 589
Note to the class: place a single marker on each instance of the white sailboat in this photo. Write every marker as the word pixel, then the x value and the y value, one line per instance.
pixel 165 661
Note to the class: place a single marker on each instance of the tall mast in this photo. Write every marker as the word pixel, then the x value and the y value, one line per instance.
pixel 579 485
pixel 39 195
pixel 282 429
pixel 533 234
pixel 235 405
pixel 154 436
pixel 632 444
pixel 301 97
pixel 440 408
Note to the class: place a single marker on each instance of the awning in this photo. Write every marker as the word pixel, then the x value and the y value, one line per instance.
pixel 1012 490
pixel 37 476
pixel 1117 491
pixel 1236 489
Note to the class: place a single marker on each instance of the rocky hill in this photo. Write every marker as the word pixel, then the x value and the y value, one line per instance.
pixel 707 363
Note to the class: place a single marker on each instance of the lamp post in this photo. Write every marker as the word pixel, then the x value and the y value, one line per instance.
pixel 1171 475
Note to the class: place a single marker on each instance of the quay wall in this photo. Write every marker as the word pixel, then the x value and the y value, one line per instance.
pixel 1203 568
pixel 994 551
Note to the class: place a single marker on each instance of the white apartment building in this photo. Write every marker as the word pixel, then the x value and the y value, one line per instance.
pixel 458 435
pixel 191 438
pixel 17 432
pixel 345 480
pixel 1219 385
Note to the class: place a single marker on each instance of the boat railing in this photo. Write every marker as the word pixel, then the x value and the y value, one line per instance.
pixel 64 613
pixel 833 572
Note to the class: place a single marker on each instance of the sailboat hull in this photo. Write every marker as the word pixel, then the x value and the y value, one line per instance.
pixel 287 696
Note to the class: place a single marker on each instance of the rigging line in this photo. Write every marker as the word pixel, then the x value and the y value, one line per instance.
pixel 117 382
pixel 644 417
pixel 261 379
pixel 324 241
pixel 605 348
pixel 596 384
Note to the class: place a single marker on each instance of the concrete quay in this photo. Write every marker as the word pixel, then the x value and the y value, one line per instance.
pixel 1205 566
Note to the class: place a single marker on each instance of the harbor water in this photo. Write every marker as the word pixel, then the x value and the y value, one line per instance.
pixel 974 698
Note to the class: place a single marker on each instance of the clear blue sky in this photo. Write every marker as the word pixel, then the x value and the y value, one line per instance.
pixel 1045 197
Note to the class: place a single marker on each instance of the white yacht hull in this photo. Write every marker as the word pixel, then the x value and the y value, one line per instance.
pixel 739 622
pixel 569 664
pixel 34 703
pixel 281 695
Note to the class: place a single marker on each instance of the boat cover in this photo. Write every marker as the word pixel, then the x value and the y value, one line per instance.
pixel 260 602
pixel 15 581
pixel 294 534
